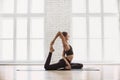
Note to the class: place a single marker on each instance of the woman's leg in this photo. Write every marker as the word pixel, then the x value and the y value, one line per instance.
pixel 47 63
pixel 76 66
pixel 55 66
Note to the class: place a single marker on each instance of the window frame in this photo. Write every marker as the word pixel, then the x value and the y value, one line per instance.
pixel 28 16
pixel 87 15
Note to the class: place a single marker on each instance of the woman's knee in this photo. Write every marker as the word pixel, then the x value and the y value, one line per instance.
pixel 46 67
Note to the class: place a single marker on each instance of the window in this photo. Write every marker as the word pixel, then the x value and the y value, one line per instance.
pixel 22 31
pixel 7 29
pixel 112 43
pixel 37 6
pixel 21 36
pixel 79 6
pixel 94 6
pixel 79 38
pixel 7 6
pixel 22 6
pixel 95 30
pixel 6 49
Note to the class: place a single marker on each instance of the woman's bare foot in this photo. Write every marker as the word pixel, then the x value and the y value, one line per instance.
pixel 51 49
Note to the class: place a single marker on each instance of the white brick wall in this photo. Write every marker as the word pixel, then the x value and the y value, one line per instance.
pixel 57 18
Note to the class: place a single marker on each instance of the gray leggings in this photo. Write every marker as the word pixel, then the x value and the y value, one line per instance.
pixel 61 64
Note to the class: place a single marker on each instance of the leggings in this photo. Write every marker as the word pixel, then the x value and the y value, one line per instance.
pixel 61 64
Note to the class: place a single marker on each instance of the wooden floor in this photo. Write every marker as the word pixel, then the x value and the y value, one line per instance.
pixel 89 72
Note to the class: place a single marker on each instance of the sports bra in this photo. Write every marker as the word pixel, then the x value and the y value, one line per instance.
pixel 69 52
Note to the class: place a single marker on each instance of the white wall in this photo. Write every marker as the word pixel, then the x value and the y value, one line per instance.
pixel 57 18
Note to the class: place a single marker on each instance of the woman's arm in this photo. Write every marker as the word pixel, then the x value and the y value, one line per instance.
pixel 63 54
pixel 68 64
pixel 56 36
pixel 64 42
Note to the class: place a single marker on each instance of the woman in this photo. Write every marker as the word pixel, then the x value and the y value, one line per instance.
pixel 67 55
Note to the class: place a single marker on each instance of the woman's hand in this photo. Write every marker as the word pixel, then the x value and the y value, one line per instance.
pixel 68 67
pixel 58 33
pixel 56 36
pixel 67 63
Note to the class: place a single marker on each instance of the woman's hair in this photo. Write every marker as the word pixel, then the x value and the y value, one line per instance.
pixel 64 34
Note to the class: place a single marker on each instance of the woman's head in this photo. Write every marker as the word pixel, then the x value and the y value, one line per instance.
pixel 65 34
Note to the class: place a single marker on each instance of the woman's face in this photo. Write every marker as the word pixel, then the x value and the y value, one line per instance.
pixel 67 37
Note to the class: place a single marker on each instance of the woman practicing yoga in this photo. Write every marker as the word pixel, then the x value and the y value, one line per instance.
pixel 67 55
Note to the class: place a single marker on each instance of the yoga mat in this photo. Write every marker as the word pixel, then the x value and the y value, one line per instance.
pixel 84 69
